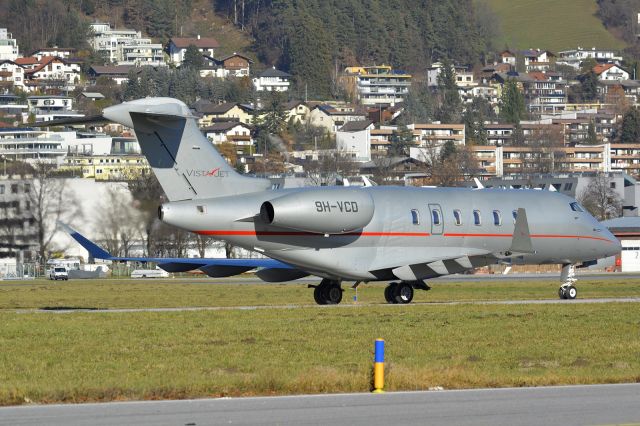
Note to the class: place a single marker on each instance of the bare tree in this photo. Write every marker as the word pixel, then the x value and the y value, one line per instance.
pixel 50 201
pixel 120 224
pixel 600 199
pixel 148 195
pixel 327 168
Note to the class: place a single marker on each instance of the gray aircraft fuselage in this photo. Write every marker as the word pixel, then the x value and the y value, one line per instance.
pixel 397 236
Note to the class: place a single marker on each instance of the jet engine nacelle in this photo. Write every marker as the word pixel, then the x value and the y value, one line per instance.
pixel 323 211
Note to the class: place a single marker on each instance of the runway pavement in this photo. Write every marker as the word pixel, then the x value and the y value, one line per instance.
pixel 341 306
pixel 564 405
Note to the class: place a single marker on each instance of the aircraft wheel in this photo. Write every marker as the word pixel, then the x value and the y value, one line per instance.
pixel 561 293
pixel 318 295
pixel 333 294
pixel 389 292
pixel 403 293
pixel 571 292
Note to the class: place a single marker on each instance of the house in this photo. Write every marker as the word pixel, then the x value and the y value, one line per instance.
pixel 272 80
pixel 233 132
pixel 125 46
pixel 537 59
pixel 296 112
pixel 235 65
pixel 610 89
pixel 499 134
pixel 117 73
pixel 11 76
pixel 354 140
pixel 575 57
pixel 508 57
pixel 376 85
pixel 53 72
pixel 228 111
pixel 9 50
pixel 92 96
pixel 610 72
pixel 177 47
pixel 58 52
pixel 545 92
pixel 332 117
pixel 463 76
pixel 430 135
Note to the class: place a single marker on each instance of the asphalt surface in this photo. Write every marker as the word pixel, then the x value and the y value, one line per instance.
pixel 565 405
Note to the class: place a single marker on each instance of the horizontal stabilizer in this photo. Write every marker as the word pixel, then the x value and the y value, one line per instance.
pixel 92 119
pixel 221 271
pixel 95 251
pixel 278 275
pixel 521 242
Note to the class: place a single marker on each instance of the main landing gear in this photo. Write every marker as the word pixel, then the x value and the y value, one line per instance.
pixel 402 292
pixel 328 292
pixel 568 277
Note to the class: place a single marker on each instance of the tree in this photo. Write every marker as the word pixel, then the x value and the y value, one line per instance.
pixel 592 137
pixel 600 199
pixel 50 201
pixel 328 167
pixel 589 86
pixel 193 58
pixel 120 224
pixel 630 128
pixel 450 107
pixel 476 114
pixel 512 108
pixel 454 165
pixel 401 140
pixel 147 195
pixel 418 105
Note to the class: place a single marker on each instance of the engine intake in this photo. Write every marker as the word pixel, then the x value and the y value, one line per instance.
pixel 322 211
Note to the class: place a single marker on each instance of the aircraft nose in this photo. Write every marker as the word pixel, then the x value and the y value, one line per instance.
pixel 612 246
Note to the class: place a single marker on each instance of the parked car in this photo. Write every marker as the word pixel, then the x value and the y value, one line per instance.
pixel 58 273
pixel 149 273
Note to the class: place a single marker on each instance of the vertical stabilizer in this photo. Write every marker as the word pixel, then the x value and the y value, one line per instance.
pixel 184 161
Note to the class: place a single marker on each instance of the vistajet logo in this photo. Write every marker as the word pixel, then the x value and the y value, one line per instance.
pixel 207 173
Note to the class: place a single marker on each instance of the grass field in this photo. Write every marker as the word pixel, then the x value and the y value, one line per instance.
pixel 169 293
pixel 551 24
pixel 75 357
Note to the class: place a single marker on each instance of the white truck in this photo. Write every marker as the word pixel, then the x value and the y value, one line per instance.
pixel 149 273
pixel 58 273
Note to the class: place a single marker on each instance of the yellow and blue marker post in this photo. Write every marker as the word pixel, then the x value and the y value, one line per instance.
pixel 378 367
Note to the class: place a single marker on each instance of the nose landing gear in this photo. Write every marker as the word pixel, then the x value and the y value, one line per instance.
pixel 568 277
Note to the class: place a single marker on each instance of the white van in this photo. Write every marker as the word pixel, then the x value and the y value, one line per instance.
pixel 150 273
pixel 58 273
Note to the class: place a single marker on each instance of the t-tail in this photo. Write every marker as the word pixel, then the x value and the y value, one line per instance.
pixel 184 161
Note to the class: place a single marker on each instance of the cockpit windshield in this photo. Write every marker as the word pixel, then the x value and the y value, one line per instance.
pixel 576 207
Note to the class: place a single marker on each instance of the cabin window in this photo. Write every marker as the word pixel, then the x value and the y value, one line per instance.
pixel 457 217
pixel 515 215
pixel 497 218
pixel 201 209
pixel 436 216
pixel 576 207
pixel 477 220
pixel 415 217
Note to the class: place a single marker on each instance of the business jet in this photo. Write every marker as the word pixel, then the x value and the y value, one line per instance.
pixel 400 235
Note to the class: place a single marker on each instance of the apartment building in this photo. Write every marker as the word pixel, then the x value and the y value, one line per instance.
pixel 376 85
pixel 125 46
pixel 9 49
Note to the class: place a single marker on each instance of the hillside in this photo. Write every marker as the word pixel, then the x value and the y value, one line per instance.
pixel 551 24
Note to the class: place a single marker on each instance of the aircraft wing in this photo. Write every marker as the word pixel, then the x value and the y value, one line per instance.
pixel 271 270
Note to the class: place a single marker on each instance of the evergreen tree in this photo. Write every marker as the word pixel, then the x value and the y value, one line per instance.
pixel 401 140
pixel 512 108
pixel 448 150
pixel 418 105
pixel 589 86
pixel 450 103
pixel 592 137
pixel 476 114
pixel 193 58
pixel 630 129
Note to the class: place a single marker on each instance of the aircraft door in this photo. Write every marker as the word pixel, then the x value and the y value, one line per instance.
pixel 437 220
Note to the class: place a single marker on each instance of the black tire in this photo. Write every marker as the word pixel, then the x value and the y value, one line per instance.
pixel 403 293
pixel 561 293
pixel 318 295
pixel 333 294
pixel 571 292
pixel 389 293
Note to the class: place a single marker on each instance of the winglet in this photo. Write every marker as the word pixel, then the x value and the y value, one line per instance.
pixel 521 242
pixel 95 251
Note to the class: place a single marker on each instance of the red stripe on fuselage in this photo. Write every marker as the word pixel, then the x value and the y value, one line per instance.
pixel 382 234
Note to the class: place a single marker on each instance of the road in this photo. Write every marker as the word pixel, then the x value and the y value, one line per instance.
pixel 563 405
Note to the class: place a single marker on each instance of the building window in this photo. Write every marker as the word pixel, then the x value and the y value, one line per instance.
pixel 476 218
pixel 14 188
pixel 613 185
pixel 457 217
pixel 415 217
pixel 1 189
